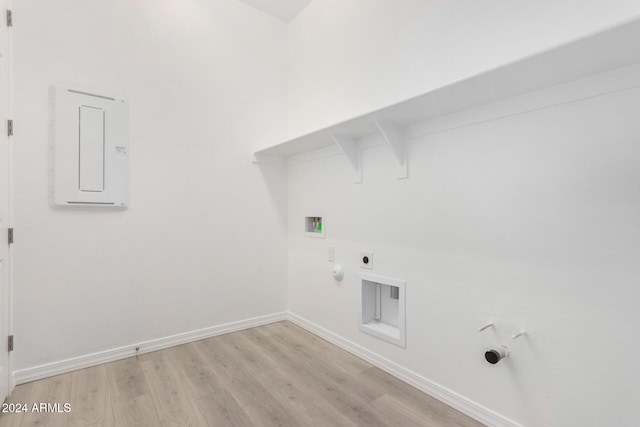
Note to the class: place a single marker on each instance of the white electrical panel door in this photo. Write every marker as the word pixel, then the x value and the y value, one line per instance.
pixel 89 149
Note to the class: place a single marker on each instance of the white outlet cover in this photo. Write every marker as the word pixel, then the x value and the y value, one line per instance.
pixel 369 256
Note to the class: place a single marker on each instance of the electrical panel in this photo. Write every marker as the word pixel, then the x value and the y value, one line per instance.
pixel 89 149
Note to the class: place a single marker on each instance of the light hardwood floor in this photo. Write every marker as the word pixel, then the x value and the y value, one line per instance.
pixel 273 375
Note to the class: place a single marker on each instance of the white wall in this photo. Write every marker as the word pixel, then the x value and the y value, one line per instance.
pixel 349 58
pixel 204 240
pixel 530 220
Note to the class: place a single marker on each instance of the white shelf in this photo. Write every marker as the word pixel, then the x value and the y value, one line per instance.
pixel 606 51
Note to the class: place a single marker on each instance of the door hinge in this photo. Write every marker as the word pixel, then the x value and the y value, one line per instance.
pixel 10 235
pixel 9 127
pixel 10 343
pixel 9 18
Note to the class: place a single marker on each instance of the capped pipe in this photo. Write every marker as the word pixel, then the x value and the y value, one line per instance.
pixel 495 355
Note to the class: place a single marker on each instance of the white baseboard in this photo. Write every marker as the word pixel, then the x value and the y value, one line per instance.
pixel 50 369
pixel 451 398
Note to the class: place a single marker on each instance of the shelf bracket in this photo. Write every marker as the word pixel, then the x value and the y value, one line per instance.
pixel 349 148
pixel 393 134
pixel 266 159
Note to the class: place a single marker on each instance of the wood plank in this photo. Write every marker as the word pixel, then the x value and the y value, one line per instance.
pixel 127 380
pixel 225 370
pixel 263 330
pixel 222 410
pixel 270 413
pixel 91 398
pixel 174 404
pixel 311 344
pixel 53 390
pixel 296 384
pixel 305 407
pixel 428 407
pixel 240 381
pixel 139 411
pixel 324 370
pixel 217 405
pixel 200 377
pixel 271 349
pixel 316 376
pixel 21 394
pixel 241 384
pixel 240 349
pixel 131 400
pixel 392 413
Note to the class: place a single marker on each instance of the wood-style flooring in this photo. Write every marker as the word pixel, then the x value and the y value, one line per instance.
pixel 273 375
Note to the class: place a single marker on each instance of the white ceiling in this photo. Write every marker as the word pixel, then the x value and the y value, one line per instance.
pixel 282 9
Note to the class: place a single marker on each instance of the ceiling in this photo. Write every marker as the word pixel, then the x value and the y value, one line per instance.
pixel 285 10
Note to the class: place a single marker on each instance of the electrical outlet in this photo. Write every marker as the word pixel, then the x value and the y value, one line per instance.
pixel 366 260
pixel 332 254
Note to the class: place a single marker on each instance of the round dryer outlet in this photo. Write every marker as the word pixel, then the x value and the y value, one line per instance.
pixel 366 260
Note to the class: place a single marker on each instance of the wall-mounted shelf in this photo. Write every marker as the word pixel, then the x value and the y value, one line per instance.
pixel 600 53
